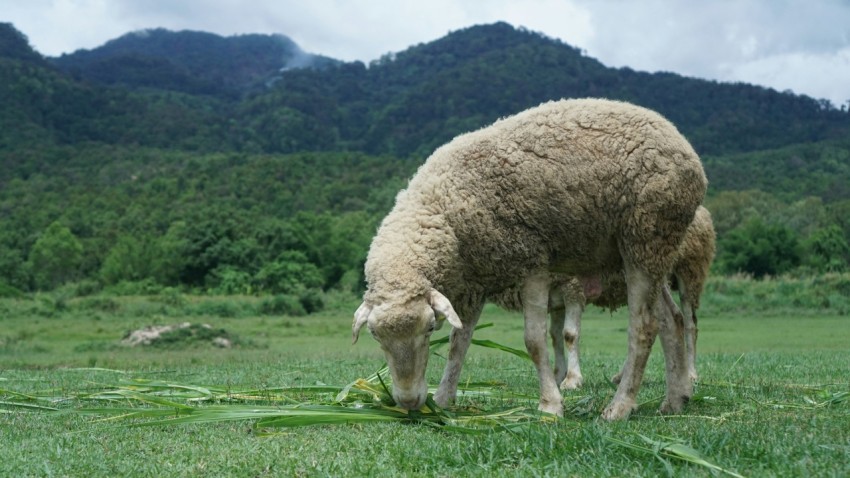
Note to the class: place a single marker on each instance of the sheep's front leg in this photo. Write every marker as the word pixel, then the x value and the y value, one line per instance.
pixel 459 340
pixel 643 326
pixel 572 331
pixel 679 385
pixel 535 300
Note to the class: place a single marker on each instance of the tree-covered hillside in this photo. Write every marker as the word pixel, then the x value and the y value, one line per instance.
pixel 41 106
pixel 190 160
pixel 189 62
pixel 412 102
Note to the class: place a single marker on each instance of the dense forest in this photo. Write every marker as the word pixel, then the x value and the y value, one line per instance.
pixel 245 165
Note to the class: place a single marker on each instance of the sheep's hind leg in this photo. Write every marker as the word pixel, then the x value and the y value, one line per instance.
pixel 643 327
pixel 556 331
pixel 458 346
pixel 691 332
pixel 679 385
pixel 672 308
pixel 572 332
pixel 535 301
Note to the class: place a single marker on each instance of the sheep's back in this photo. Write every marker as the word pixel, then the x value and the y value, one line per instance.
pixel 573 185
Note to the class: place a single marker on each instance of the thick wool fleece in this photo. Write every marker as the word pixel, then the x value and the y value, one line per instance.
pixel 573 186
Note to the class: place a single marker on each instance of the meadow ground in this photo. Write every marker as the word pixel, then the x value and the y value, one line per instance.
pixel 772 399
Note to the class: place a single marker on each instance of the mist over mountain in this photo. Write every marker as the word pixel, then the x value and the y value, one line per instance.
pixel 189 61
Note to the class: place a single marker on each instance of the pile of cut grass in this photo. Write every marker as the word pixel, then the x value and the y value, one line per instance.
pixel 143 402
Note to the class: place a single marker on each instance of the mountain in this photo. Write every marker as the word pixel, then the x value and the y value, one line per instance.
pixel 201 92
pixel 238 94
pixel 413 101
pixel 42 106
pixel 14 45
pixel 189 61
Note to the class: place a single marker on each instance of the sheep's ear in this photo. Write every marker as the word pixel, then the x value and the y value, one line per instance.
pixel 360 317
pixel 443 308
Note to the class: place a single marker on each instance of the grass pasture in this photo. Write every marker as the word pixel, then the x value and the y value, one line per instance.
pixel 772 398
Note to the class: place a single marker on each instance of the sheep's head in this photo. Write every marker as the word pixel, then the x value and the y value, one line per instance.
pixel 403 329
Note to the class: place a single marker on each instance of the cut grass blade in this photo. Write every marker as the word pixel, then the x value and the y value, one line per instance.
pixel 668 447
pixel 24 405
pixel 504 348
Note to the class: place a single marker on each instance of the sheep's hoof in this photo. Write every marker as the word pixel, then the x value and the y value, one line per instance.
pixel 443 400
pixel 616 378
pixel 675 405
pixel 572 382
pixel 619 410
pixel 555 408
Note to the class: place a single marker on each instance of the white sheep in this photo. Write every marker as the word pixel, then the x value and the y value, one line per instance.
pixel 578 187
pixel 569 295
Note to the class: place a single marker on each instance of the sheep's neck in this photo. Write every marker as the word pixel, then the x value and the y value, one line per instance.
pixel 412 258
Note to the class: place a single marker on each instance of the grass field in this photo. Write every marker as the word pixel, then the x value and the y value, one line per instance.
pixel 772 398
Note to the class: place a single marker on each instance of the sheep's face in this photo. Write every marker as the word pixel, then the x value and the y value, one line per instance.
pixel 404 331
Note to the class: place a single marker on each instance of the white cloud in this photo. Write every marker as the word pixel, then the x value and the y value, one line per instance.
pixel 820 75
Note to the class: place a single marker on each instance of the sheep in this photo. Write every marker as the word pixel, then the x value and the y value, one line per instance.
pixel 569 295
pixel 579 187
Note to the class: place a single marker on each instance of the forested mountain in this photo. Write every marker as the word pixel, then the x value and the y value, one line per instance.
pixel 223 164
pixel 403 104
pixel 190 62
pixel 413 101
pixel 40 106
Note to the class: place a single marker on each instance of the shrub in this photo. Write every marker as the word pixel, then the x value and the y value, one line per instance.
pixel 7 291
pixel 218 308
pixel 288 274
pixel 143 287
pixel 312 300
pixel 759 249
pixel 55 258
pixel 283 304
pixel 826 250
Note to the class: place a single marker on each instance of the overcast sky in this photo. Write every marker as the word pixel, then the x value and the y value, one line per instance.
pixel 798 45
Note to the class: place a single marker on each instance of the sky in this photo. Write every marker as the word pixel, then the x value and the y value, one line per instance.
pixel 797 45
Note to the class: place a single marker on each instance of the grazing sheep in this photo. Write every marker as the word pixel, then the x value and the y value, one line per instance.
pixel 568 297
pixel 578 187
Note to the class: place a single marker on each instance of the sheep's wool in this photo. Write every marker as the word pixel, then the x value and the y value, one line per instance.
pixel 574 186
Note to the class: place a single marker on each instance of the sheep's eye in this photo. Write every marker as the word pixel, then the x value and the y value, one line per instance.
pixel 431 327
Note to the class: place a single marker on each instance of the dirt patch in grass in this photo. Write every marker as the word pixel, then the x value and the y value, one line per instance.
pixel 181 335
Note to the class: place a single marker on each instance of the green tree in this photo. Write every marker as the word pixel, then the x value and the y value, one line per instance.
pixel 760 249
pixel 290 273
pixel 12 270
pixel 55 257
pixel 826 250
pixel 130 259
pixel 731 209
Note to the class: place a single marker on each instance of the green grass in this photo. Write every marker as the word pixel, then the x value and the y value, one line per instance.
pixel 772 400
